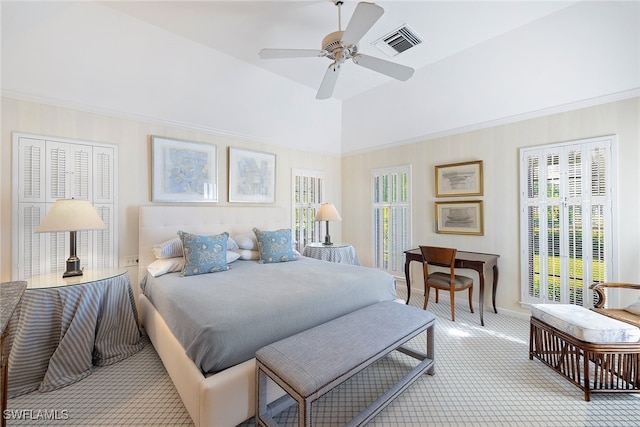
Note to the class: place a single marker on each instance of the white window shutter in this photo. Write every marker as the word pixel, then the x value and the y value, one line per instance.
pixel 57 172
pixel 82 173
pixel 29 252
pixel 49 169
pixel 31 177
pixel 391 217
pixel 103 247
pixel 57 245
pixel 103 165
pixel 566 230
pixel 308 190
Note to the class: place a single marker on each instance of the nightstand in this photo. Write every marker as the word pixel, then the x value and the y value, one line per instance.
pixel 342 253
pixel 81 322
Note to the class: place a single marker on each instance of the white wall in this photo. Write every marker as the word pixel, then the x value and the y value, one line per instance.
pixel 133 139
pixel 498 148
pixel 89 56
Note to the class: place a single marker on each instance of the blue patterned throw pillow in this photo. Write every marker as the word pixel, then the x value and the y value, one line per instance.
pixel 275 246
pixel 204 254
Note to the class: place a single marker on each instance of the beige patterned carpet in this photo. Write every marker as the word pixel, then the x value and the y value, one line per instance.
pixel 483 378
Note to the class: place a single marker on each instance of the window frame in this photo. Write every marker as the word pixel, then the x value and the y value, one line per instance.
pixel 307 206
pixel 395 248
pixel 569 203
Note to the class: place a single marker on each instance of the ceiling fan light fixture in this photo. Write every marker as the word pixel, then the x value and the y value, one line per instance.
pixel 342 45
pixel 332 41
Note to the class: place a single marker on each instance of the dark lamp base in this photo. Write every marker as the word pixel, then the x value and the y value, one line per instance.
pixel 327 238
pixel 73 267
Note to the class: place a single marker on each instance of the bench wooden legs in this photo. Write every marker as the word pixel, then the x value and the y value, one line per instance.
pixel 592 367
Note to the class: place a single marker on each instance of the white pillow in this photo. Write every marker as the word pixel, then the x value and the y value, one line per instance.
pixel 165 265
pixel 634 308
pixel 231 244
pixel 170 265
pixel 246 254
pixel 169 249
pixel 246 241
pixel 232 256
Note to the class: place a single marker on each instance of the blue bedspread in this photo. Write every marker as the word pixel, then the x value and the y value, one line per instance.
pixel 222 319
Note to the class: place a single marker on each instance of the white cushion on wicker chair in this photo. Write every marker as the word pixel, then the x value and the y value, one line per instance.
pixel 584 324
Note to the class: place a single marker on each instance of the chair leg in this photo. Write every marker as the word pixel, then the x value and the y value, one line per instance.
pixel 436 295
pixel 453 306
pixel 427 291
pixel 471 299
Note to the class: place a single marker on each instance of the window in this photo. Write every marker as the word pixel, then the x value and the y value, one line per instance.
pixel 567 194
pixel 48 169
pixel 391 211
pixel 308 193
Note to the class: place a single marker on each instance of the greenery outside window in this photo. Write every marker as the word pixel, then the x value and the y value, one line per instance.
pixel 567 231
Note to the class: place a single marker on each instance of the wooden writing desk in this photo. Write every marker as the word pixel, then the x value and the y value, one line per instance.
pixel 472 260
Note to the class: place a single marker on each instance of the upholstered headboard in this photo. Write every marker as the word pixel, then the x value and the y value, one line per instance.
pixel 160 223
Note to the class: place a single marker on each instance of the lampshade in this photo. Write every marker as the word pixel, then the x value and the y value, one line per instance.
pixel 328 212
pixel 71 215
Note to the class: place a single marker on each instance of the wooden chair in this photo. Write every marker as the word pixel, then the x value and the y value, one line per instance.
pixel 444 257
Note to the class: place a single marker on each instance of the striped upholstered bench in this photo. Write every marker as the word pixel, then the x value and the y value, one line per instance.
pixel 313 362
pixel 596 353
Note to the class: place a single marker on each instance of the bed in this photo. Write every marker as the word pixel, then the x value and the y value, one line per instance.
pixel 218 386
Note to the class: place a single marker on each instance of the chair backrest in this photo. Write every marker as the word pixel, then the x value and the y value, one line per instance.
pixel 442 257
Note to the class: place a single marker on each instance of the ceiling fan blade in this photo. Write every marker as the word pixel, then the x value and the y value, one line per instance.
pixel 328 82
pixel 290 53
pixel 391 69
pixel 365 15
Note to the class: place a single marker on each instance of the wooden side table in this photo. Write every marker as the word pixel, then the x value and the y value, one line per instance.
pixel 342 253
pixel 11 293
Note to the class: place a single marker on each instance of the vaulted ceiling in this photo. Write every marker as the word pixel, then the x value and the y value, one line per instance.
pixel 196 65
pixel 242 28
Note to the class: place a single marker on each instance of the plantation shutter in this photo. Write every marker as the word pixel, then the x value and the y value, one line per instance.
pixel 103 162
pixel 308 194
pixel 50 169
pixel 29 244
pixel 566 198
pixel 391 217
pixel 31 160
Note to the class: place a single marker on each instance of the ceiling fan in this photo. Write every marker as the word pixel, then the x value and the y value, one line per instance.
pixel 342 45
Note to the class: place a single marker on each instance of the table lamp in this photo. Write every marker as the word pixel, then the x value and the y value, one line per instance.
pixel 71 215
pixel 327 212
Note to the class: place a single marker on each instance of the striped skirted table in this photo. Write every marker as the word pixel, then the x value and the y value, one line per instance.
pixel 342 253
pixel 64 327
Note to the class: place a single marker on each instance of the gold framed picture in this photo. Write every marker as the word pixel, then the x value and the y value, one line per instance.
pixel 459 217
pixel 459 179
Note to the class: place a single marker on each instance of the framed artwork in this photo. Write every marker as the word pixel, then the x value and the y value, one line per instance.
pixel 459 217
pixel 183 171
pixel 252 176
pixel 459 179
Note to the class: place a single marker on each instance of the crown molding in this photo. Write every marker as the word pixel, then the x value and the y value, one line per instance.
pixel 586 103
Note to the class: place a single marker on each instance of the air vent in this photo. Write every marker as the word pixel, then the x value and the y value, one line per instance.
pixel 398 41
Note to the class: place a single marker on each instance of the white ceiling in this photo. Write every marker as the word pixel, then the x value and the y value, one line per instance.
pixel 242 28
pixel 195 65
